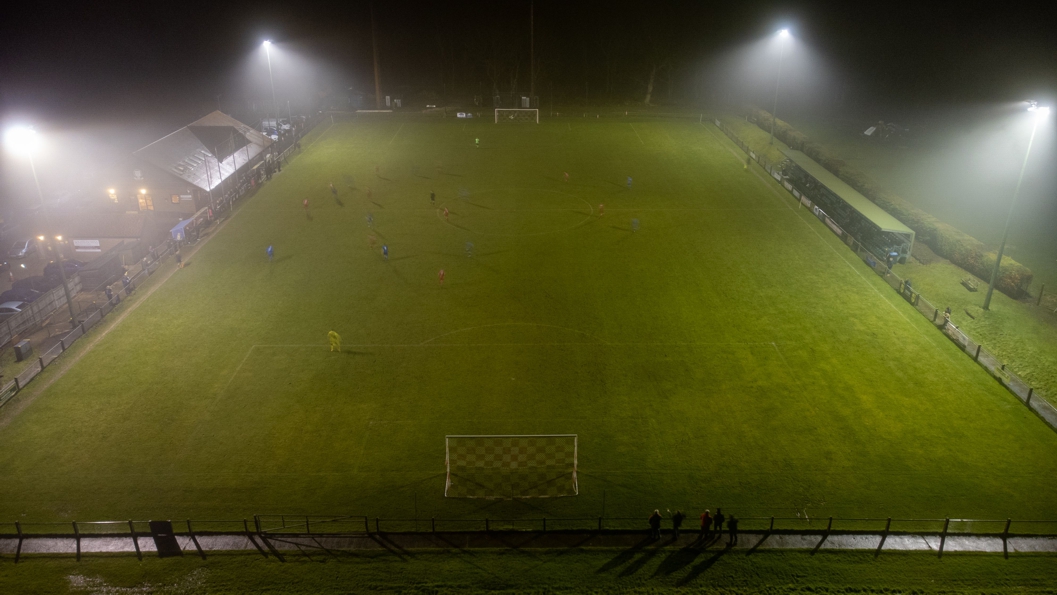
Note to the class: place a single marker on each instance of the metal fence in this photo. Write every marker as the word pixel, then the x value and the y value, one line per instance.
pixel 54 299
pixel 93 317
pixel 299 524
pixel 38 310
pixel 987 360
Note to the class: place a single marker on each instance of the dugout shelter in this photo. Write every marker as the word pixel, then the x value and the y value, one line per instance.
pixel 874 228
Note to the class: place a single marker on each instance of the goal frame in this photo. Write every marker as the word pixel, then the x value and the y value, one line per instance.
pixel 535 111
pixel 576 454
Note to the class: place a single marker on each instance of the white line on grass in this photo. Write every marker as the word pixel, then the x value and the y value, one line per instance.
pixel 637 134
pixel 852 266
pixel 12 410
pixel 395 135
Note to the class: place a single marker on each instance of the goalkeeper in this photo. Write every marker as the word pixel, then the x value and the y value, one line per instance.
pixel 335 341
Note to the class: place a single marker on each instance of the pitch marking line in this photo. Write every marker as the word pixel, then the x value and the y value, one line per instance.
pixel 830 246
pixel 395 135
pixel 13 409
pixel 637 134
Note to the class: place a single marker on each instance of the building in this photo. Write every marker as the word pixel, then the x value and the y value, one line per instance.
pixel 191 168
pixel 873 227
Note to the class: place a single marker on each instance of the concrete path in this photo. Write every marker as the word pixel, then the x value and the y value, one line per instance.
pixel 277 545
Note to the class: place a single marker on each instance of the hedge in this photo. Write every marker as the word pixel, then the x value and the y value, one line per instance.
pixel 953 244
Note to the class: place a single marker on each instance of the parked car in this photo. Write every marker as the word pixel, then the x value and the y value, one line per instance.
pixel 19 295
pixel 22 249
pixel 69 266
pixel 39 283
pixel 9 309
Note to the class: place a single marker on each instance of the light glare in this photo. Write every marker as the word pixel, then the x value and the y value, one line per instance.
pixel 783 33
pixel 22 139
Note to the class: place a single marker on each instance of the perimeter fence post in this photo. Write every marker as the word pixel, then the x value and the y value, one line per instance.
pixel 18 551
pixel 830 525
pixel 943 537
pixel 366 527
pixel 135 541
pixel 888 525
pixel 41 359
pixel 771 528
pixel 1031 391
pixel 976 357
pixel 257 523
pixel 487 527
pixel 77 536
pixel 1038 302
pixel 935 315
pixel 376 530
pixel 308 525
pixel 599 523
pixel 1005 532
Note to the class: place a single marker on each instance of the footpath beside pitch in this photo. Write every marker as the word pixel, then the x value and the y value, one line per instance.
pixel 277 545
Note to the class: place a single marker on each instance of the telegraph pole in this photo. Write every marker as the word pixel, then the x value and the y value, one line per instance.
pixel 377 74
pixel 532 53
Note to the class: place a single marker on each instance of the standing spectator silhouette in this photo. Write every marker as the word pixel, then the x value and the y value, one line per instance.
pixel 732 530
pixel 655 525
pixel 717 521
pixel 677 522
pixel 706 525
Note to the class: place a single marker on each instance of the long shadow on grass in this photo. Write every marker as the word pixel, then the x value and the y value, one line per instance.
pixel 678 560
pixel 701 568
pixel 625 556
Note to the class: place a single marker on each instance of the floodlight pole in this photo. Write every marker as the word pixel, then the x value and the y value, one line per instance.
pixel 532 53
pixel 58 250
pixel 268 52
pixel 777 82
pixel 1009 218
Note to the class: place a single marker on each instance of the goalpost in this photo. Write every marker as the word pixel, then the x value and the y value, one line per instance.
pixel 516 115
pixel 510 466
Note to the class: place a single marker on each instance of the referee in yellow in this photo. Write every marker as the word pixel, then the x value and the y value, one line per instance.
pixel 335 341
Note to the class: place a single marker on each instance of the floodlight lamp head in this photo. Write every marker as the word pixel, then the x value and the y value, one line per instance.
pixel 783 33
pixel 267 42
pixel 22 139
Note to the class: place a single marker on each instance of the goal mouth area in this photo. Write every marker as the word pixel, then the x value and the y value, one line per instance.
pixel 517 115
pixel 502 467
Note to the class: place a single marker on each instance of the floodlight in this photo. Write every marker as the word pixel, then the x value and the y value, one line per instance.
pixel 58 238
pixel 41 238
pixel 267 42
pixel 22 139
pixel 1043 111
pixel 142 190
pixel 111 191
pixel 783 33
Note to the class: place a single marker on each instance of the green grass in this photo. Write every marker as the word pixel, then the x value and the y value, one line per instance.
pixel 730 353
pixel 1019 333
pixel 541 571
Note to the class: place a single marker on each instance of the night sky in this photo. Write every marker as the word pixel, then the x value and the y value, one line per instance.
pixel 88 59
pixel 152 67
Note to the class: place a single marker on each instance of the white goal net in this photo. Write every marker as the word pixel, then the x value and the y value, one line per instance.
pixel 527 466
pixel 517 115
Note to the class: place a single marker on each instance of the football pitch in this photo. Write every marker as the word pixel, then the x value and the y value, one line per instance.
pixel 728 352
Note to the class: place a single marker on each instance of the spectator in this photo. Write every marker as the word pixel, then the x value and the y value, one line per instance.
pixel 717 521
pixel 732 529
pixel 127 283
pixel 655 525
pixel 677 522
pixel 109 294
pixel 706 525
